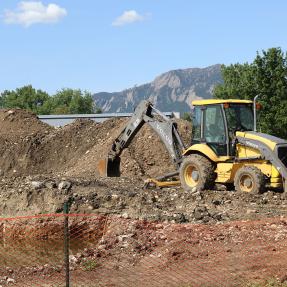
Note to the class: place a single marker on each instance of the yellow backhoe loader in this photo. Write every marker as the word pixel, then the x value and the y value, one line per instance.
pixel 225 147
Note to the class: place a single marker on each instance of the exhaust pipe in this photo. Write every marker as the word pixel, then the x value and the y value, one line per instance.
pixel 254 113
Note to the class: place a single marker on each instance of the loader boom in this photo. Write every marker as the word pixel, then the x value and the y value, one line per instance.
pixel 165 128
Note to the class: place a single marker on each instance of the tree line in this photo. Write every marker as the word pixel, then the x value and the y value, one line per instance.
pixel 266 76
pixel 65 101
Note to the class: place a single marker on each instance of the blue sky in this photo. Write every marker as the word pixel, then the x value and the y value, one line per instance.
pixel 111 45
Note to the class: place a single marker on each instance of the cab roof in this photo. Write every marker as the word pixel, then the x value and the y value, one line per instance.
pixel 220 101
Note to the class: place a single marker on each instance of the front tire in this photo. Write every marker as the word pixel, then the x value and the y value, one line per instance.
pixel 196 173
pixel 250 179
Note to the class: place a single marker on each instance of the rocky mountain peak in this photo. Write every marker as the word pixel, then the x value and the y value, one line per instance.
pixel 170 91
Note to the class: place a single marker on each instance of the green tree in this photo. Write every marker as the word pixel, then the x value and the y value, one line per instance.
pixel 70 101
pixel 24 98
pixel 66 101
pixel 2 103
pixel 266 76
pixel 187 116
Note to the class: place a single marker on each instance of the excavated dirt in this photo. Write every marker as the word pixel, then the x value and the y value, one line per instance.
pixel 30 147
pixel 42 166
pixel 150 232
pixel 19 124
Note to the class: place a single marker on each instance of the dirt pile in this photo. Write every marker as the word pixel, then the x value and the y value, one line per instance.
pixel 28 146
pixel 61 148
pixel 145 157
pixel 19 129
pixel 17 124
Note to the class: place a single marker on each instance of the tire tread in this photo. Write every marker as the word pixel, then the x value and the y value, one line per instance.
pixel 206 168
pixel 256 173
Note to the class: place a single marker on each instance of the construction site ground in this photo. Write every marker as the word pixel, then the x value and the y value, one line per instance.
pixel 161 236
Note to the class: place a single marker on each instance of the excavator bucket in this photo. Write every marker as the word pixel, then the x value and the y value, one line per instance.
pixel 109 167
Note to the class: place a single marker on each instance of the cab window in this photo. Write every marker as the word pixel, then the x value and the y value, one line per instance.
pixel 214 131
pixel 196 125
pixel 239 117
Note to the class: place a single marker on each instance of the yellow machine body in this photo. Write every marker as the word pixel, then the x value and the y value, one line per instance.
pixel 225 147
pixel 226 167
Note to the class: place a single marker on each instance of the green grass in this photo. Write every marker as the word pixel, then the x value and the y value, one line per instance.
pixel 89 265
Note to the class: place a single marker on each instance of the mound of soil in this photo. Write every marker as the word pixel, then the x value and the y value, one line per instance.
pixel 17 124
pixel 28 146
pixel 19 130
pixel 145 157
pixel 62 147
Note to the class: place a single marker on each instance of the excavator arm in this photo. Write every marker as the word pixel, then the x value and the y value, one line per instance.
pixel 165 128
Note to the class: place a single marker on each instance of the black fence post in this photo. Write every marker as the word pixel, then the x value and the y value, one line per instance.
pixel 66 244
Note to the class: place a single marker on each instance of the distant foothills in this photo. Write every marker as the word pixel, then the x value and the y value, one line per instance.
pixel 171 91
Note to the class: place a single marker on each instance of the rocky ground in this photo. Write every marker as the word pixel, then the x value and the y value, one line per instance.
pixel 217 237
pixel 41 167
pixel 125 252
pixel 128 198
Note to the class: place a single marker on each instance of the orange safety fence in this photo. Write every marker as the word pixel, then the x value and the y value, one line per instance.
pixel 116 251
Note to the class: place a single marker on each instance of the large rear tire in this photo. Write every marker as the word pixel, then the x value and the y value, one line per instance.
pixel 196 173
pixel 250 179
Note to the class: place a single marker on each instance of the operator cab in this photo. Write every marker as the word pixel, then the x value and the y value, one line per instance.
pixel 215 123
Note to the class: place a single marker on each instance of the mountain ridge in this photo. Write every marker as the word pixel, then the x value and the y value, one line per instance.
pixel 171 91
